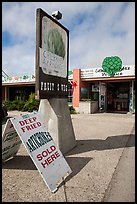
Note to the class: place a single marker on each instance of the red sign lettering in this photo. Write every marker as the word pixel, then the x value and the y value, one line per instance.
pixel 50 159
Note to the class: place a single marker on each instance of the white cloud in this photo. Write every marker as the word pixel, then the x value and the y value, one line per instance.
pixel 19 59
pixel 89 49
pixel 105 29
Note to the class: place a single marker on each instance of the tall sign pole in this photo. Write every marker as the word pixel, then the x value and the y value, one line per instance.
pixel 52 48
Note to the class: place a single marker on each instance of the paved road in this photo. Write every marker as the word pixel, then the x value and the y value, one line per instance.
pixel 102 165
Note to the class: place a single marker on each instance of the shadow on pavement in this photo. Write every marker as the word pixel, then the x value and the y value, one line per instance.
pixel 112 142
pixel 76 164
pixel 19 162
pixel 25 163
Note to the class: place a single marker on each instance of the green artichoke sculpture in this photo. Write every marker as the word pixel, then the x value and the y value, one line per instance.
pixel 55 43
pixel 111 65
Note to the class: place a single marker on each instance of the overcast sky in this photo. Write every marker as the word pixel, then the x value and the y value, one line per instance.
pixel 96 30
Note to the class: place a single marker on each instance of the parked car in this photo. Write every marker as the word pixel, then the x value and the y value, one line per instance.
pixel 4 111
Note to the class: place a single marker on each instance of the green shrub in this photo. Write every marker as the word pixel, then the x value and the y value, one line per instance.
pixel 8 104
pixel 14 105
pixel 31 104
pixel 20 105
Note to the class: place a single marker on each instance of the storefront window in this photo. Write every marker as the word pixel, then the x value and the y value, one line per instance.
pixel 20 93
pixel 95 96
pixel 84 93
pixel 94 92
pixel 119 96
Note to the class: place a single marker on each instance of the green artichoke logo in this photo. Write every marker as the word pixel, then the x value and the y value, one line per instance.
pixel 111 65
pixel 55 43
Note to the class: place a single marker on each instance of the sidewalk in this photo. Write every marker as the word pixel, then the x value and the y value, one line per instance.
pixel 101 140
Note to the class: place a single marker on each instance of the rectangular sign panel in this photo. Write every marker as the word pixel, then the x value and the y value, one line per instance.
pixel 127 70
pixel 52 64
pixel 10 141
pixel 52 46
pixel 39 144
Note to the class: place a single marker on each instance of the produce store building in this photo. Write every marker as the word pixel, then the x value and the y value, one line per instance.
pixel 17 87
pixel 93 87
pixel 89 90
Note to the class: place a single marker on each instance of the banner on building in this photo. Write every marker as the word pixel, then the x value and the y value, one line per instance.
pixel 18 79
pixel 39 144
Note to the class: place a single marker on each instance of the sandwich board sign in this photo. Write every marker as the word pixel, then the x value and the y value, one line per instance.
pixel 38 142
pixel 10 141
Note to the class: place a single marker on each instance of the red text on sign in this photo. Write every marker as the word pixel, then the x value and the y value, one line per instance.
pixel 27 121
pixel 27 124
pixel 51 158
pixel 30 127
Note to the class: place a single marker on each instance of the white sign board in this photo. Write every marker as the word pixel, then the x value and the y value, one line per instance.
pixel 98 72
pixel 39 144
pixel 52 64
pixel 10 141
pixel 53 55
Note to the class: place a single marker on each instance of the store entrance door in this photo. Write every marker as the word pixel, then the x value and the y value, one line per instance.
pixel 118 97
pixel 102 97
